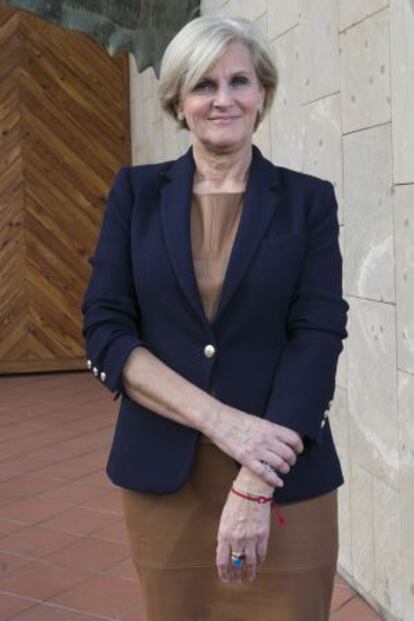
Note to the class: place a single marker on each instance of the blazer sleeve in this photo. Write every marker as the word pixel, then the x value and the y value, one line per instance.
pixel 304 381
pixel 111 317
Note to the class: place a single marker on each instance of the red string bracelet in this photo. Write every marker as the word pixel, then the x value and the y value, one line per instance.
pixel 280 519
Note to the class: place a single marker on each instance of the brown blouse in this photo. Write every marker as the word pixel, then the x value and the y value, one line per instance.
pixel 214 222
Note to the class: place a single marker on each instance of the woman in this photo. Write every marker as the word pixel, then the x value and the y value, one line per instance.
pixel 215 308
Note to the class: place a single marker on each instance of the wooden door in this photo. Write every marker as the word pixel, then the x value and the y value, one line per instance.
pixel 64 130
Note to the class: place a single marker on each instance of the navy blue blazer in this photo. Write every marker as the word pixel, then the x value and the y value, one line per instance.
pixel 277 332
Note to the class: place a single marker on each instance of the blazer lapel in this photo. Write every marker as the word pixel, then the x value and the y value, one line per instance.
pixel 257 211
pixel 176 198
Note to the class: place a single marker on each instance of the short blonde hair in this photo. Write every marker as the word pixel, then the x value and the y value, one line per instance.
pixel 197 46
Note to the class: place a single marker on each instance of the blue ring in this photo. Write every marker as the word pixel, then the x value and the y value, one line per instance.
pixel 236 563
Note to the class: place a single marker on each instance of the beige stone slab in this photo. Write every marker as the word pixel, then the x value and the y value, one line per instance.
pixel 262 139
pixel 342 369
pixel 136 86
pixel 158 142
pixel 387 546
pixel 282 16
pixel 372 389
pixel 253 9
pixel 344 524
pixel 404 248
pixel 176 140
pixel 408 588
pixel 148 82
pixel 339 422
pixel 362 519
pixel 261 23
pixel 137 115
pixel 232 7
pixel 406 404
pixel 369 243
pixel 320 50
pixel 132 64
pixel 402 63
pixel 406 407
pixel 341 374
pixel 365 73
pixel 287 115
pixel 323 143
pixel 211 7
pixel 353 11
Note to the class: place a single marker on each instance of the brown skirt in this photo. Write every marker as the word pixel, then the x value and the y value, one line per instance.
pixel 173 539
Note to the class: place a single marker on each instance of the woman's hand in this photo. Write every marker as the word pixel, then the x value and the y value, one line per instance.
pixel 250 440
pixel 244 527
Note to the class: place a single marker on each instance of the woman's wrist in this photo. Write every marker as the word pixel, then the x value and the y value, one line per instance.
pixel 248 480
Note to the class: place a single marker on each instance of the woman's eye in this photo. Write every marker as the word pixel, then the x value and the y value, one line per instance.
pixel 240 80
pixel 205 85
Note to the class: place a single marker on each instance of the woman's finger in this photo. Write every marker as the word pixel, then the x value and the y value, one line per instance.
pixel 236 571
pixel 222 560
pixel 261 551
pixel 250 561
pixel 284 451
pixel 291 438
pixel 276 461
pixel 265 473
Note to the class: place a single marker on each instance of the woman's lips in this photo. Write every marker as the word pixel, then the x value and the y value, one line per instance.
pixel 224 119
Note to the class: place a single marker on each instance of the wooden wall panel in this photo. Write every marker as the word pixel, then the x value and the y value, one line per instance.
pixel 64 126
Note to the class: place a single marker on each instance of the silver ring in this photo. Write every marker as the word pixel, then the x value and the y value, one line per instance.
pixel 268 467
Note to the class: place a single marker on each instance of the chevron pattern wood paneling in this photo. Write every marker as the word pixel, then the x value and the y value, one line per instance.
pixel 64 126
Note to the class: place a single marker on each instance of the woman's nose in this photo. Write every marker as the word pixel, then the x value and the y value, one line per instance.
pixel 222 96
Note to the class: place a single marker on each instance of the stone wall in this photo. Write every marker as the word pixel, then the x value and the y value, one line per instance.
pixel 344 112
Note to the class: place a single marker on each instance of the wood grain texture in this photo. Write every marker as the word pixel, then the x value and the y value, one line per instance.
pixel 64 126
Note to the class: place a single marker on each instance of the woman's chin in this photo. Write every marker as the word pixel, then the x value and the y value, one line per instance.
pixel 226 144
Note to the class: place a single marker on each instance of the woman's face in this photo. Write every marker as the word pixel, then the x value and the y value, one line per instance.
pixel 221 109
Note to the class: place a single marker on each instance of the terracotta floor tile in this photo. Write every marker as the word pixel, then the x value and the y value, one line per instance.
pixel 10 562
pixel 125 569
pixel 70 493
pixel 108 500
pixel 342 593
pixel 9 527
pixel 356 610
pixel 30 511
pixel 102 595
pixel 136 614
pixel 73 468
pixel 46 612
pixel 98 478
pixel 91 554
pixel 35 541
pixel 340 581
pixel 27 464
pixel 22 486
pixel 7 473
pixel 11 605
pixel 114 532
pixel 5 501
pixel 80 521
pixel 41 580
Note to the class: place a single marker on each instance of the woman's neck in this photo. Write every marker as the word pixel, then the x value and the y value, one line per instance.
pixel 221 172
